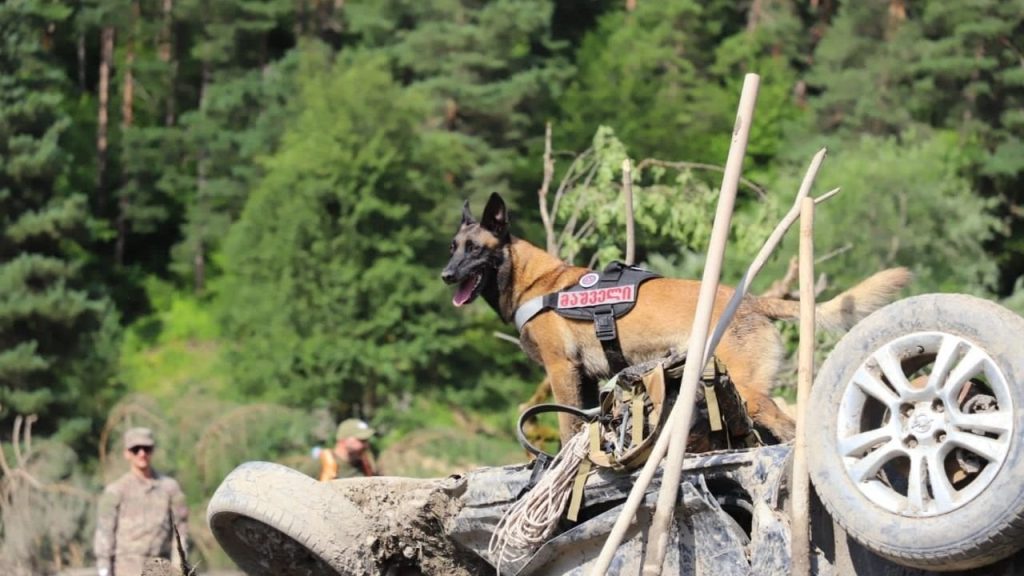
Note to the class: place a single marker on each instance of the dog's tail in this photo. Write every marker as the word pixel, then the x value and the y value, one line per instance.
pixel 842 312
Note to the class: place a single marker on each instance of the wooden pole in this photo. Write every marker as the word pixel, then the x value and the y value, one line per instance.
pixel 801 547
pixel 627 190
pixel 766 250
pixel 682 411
pixel 664 511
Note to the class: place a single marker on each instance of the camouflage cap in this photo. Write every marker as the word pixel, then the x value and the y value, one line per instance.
pixel 138 437
pixel 354 428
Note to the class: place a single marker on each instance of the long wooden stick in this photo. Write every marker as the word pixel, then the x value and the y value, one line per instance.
pixel 679 419
pixel 657 542
pixel 627 189
pixel 766 251
pixel 801 546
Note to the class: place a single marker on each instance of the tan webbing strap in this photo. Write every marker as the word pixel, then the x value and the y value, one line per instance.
pixel 581 473
pixel 710 397
pixel 714 414
pixel 637 409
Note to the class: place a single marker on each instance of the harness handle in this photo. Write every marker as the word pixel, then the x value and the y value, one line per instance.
pixel 588 415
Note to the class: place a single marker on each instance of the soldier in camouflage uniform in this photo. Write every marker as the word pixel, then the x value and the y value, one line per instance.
pixel 136 512
pixel 351 454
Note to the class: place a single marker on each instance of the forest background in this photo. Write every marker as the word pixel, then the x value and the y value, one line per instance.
pixel 225 219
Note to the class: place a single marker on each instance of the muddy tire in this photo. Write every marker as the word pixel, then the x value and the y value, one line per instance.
pixel 914 434
pixel 273 520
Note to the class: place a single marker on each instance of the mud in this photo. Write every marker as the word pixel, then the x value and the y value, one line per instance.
pixel 405 532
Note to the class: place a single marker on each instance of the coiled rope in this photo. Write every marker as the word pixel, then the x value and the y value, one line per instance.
pixel 528 523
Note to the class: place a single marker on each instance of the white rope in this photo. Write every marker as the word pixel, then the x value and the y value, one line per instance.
pixel 529 522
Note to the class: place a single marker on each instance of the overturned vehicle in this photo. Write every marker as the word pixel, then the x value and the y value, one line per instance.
pixel 914 450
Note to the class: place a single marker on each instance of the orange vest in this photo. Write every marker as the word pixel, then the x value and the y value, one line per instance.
pixel 329 465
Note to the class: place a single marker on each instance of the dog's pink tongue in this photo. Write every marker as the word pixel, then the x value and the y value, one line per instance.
pixel 464 291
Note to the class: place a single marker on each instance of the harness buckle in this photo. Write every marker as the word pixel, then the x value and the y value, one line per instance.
pixel 604 324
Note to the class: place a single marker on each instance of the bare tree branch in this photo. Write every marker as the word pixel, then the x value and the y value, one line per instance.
pixel 699 166
pixel 627 190
pixel 783 288
pixel 19 459
pixel 542 193
pixel 506 337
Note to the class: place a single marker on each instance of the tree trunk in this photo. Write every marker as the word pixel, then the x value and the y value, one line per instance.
pixel 199 246
pixel 754 16
pixel 127 120
pixel 166 51
pixel 106 58
pixel 80 52
pixel 300 19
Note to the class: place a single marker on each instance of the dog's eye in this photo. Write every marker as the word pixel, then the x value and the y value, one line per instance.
pixel 470 246
pixel 451 249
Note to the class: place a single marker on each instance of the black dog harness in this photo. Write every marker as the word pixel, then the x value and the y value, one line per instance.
pixel 599 297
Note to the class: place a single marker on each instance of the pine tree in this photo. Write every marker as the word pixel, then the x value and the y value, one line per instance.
pixel 647 74
pixel 55 335
pixel 242 86
pixel 493 73
pixel 888 68
pixel 331 289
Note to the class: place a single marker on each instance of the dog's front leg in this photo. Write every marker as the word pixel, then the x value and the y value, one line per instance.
pixel 565 387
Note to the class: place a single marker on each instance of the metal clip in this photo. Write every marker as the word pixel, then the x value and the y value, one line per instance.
pixel 604 324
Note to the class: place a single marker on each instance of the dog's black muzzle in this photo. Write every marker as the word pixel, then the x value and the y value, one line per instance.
pixel 448 275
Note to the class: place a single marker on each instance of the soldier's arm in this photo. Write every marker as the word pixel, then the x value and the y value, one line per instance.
pixel 179 514
pixel 106 530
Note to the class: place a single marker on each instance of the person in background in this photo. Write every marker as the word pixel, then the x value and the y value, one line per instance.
pixel 351 456
pixel 137 511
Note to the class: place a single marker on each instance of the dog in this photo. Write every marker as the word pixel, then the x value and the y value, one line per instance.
pixel 486 260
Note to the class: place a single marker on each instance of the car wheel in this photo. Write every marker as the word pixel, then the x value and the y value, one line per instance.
pixel 273 520
pixel 914 432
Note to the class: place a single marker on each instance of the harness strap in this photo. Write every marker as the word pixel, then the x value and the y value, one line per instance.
pixel 576 500
pixel 710 378
pixel 528 310
pixel 607 335
pixel 622 279
pixel 714 413
pixel 637 409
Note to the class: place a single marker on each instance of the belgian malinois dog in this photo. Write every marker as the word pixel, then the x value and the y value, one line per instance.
pixel 509 271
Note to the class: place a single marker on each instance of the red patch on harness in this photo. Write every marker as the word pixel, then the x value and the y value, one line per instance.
pixel 584 298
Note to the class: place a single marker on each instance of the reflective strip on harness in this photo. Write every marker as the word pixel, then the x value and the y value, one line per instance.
pixel 614 290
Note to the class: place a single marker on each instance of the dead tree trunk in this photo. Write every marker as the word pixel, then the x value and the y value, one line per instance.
pixel 127 120
pixel 167 47
pixel 102 120
pixel 80 53
pixel 199 245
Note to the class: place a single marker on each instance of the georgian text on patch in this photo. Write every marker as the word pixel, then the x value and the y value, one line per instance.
pixel 597 296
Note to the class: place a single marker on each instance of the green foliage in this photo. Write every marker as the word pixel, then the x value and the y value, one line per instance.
pixel 56 333
pixel 903 202
pixel 652 97
pixel 662 76
pixel 306 161
pixel 674 210
pixel 223 141
pixel 175 350
pixel 945 64
pixel 330 292
pixel 492 76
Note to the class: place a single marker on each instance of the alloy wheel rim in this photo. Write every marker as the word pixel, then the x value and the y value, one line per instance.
pixel 925 424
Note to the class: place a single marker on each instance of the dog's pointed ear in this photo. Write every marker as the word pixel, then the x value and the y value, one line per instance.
pixel 495 217
pixel 467 216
